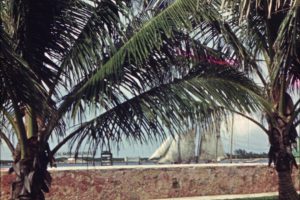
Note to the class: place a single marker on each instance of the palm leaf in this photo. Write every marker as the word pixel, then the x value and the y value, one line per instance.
pixel 94 43
pixel 170 107
pixel 46 31
pixel 138 47
pixel 18 81
pixel 286 60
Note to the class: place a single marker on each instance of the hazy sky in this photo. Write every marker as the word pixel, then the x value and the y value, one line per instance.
pixel 246 136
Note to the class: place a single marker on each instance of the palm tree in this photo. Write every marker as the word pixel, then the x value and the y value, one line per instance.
pixel 117 73
pixel 264 36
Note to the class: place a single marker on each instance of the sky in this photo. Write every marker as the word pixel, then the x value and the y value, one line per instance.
pixel 246 135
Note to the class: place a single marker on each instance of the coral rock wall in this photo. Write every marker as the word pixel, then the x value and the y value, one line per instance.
pixel 159 181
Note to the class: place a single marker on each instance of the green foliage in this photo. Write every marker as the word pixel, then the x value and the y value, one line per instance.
pixel 241 153
pixel 258 198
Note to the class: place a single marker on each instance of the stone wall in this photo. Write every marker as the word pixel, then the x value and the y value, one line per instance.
pixel 157 181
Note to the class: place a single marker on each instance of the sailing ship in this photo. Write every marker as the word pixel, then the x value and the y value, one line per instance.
pixel 188 147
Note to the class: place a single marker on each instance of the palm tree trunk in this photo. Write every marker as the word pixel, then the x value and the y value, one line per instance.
pixel 282 136
pixel 287 190
pixel 27 186
pixel 32 177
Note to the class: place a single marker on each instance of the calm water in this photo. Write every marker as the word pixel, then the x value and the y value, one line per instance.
pixel 259 160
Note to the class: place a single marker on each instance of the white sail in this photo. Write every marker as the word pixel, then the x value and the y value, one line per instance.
pixel 211 148
pixel 162 149
pixel 180 149
pixel 187 145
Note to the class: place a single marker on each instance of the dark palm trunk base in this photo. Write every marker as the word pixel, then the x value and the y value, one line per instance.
pixel 280 153
pixel 33 179
pixel 287 190
pixel 30 183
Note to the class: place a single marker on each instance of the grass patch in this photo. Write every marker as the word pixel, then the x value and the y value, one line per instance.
pixel 258 198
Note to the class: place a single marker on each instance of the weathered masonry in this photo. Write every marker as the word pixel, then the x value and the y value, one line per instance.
pixel 156 181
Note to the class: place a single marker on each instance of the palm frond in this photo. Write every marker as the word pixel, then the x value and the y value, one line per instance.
pixel 286 59
pixel 251 29
pixel 256 24
pixel 138 47
pixel 171 61
pixel 8 128
pixel 245 6
pixel 46 31
pixel 243 52
pixel 7 141
pixel 18 81
pixel 170 107
pixel 95 42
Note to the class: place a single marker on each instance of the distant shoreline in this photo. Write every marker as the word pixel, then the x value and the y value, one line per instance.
pixel 118 162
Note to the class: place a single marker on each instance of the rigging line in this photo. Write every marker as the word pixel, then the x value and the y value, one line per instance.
pixel 248 134
pixel 231 139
